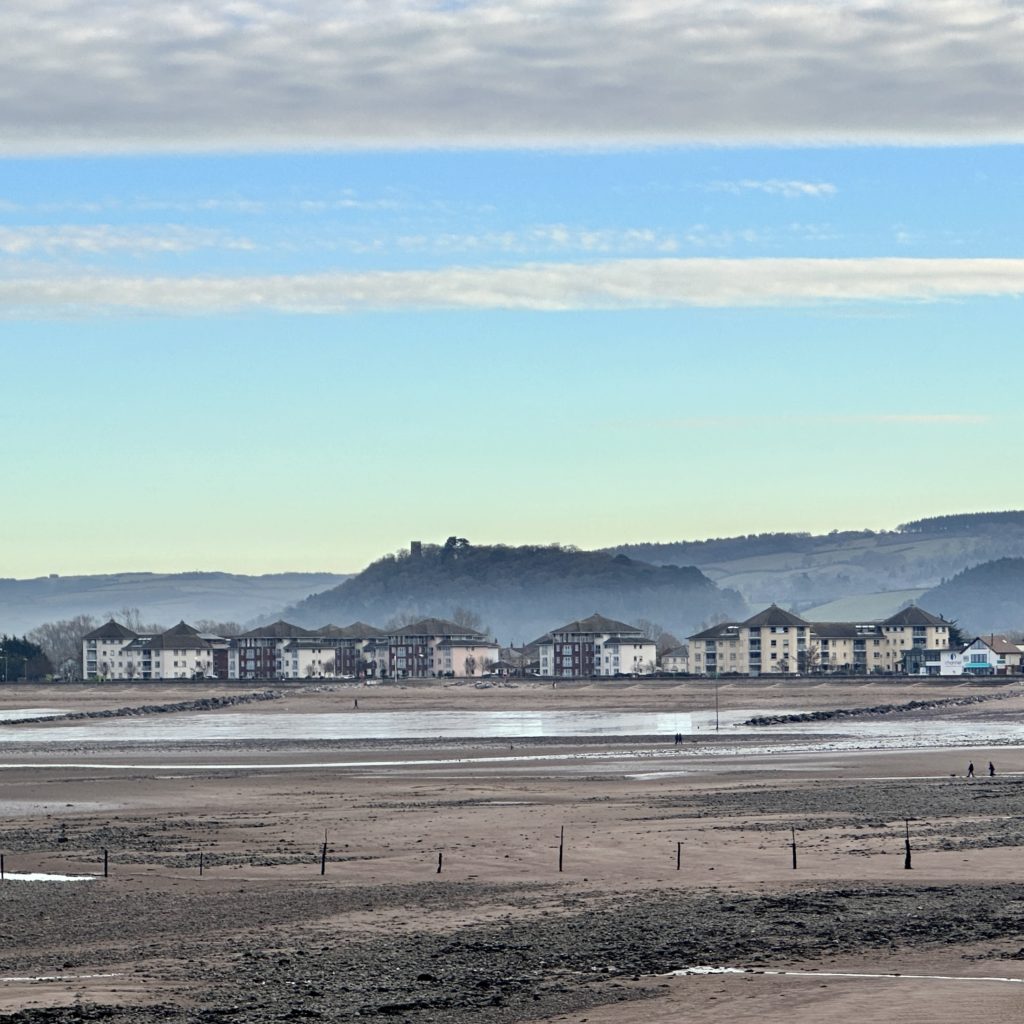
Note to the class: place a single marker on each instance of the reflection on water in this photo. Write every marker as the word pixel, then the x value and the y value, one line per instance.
pixel 353 725
pixel 895 732
pixel 43 876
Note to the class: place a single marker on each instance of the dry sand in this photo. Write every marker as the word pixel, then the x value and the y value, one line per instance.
pixel 500 934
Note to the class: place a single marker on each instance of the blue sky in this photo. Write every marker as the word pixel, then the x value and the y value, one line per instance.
pixel 283 292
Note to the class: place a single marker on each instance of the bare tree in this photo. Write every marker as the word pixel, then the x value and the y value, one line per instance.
pixel 61 641
pixel 470 665
pixel 809 659
pixel 330 667
pixel 651 630
pixel 130 669
pixel 667 642
pixel 132 618
pixel 468 619
pixel 218 628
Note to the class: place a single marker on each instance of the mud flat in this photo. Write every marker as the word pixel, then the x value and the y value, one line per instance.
pixel 500 934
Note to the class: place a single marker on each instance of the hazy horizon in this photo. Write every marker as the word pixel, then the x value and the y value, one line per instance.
pixel 356 568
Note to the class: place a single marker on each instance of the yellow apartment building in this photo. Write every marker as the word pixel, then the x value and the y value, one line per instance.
pixel 775 641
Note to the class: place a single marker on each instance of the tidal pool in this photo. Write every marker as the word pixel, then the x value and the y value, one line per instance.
pixel 352 725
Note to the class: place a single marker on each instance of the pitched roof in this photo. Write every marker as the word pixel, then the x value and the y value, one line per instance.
pixel 181 631
pixel 435 627
pixel 482 642
pixel 914 616
pixel 775 616
pixel 613 640
pixel 279 630
pixel 998 644
pixel 357 631
pixel 179 637
pixel 676 652
pixel 597 623
pixel 111 631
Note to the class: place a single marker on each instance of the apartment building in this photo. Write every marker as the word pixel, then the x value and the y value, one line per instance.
pixel 676 660
pixel 596 646
pixel 434 647
pixel 180 652
pixel 775 641
pixel 103 651
pixel 260 653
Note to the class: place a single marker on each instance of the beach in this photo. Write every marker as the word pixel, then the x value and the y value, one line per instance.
pixel 439 895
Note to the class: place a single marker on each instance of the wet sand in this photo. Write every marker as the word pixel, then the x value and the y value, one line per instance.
pixel 500 934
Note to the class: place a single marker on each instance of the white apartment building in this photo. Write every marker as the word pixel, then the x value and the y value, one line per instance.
pixel 103 651
pixel 676 660
pixel 179 653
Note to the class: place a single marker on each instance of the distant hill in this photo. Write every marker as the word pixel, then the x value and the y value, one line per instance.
pixel 520 592
pixel 159 597
pixel 987 598
pixel 863 607
pixel 803 570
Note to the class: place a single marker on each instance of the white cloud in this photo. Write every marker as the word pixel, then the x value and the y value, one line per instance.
pixel 105 75
pixel 613 284
pixel 103 239
pixel 787 188
pixel 545 238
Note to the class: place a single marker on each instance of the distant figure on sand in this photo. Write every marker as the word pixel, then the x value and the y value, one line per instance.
pixel 970 770
pixel 355 702
pixel 991 769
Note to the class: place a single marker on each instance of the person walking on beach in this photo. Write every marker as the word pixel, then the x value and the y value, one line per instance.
pixel 970 770
pixel 991 770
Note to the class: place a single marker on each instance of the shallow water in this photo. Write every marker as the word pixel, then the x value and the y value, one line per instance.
pixel 43 876
pixel 18 714
pixel 361 725
pixel 894 732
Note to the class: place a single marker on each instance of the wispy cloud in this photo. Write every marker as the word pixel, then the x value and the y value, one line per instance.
pixel 543 238
pixel 788 188
pixel 103 239
pixel 612 284
pixel 102 75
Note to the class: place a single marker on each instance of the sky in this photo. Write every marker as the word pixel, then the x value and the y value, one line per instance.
pixel 286 284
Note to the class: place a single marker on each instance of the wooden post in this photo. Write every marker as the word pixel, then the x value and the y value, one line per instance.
pixel 679 856
pixel 793 833
pixel 200 862
pixel 323 855
pixel 906 841
pixel 1 867
pixel 561 847
pixel 440 862
pixel 106 869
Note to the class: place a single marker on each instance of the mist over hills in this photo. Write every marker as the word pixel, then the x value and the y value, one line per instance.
pixel 967 567
pixel 520 592
pixel 874 572
pixel 159 597
pixel 987 598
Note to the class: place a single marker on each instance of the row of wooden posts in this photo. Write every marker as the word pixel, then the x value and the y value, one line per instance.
pixel 561 854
